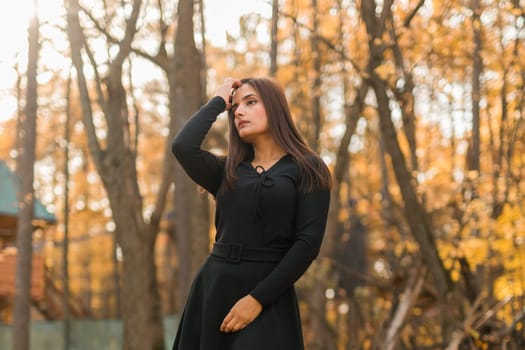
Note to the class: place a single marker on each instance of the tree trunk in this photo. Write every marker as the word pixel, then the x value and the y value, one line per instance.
pixel 65 248
pixel 474 149
pixel 405 92
pixel 274 38
pixel 317 301
pixel 203 54
pixel 115 277
pixel 25 170
pixel 190 229
pixel 20 113
pixel 191 208
pixel 316 296
pixel 140 299
pixel 315 106
pixel 116 166
pixel 415 214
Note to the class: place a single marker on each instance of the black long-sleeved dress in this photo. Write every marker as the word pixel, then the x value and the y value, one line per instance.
pixel 267 234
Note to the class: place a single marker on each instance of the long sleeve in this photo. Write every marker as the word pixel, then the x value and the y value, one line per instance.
pixel 203 167
pixel 311 215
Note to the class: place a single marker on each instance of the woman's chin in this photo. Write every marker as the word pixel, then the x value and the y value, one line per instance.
pixel 244 135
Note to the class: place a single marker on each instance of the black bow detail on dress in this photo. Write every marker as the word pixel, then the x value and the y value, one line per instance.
pixel 265 180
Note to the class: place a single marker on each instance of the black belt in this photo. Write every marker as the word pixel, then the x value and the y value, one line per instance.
pixel 234 252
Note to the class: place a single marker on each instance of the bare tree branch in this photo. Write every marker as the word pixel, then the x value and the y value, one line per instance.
pixel 474 320
pixel 131 29
pixel 76 39
pixel 412 14
pixel 101 100
pixel 324 40
pixel 159 59
pixel 410 294
pixel 385 15
pixel 499 334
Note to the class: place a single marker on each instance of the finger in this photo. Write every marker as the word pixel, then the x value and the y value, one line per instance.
pixel 234 86
pixel 229 327
pixel 225 322
pixel 237 327
pixel 236 83
pixel 234 326
pixel 224 328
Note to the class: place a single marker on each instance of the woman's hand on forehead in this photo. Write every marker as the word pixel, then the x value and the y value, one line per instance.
pixel 227 89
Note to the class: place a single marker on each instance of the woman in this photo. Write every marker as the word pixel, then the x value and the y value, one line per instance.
pixel 272 195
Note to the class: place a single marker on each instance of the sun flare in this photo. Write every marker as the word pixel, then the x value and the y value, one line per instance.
pixel 14 18
pixel 14 21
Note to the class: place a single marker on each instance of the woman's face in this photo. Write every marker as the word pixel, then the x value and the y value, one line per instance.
pixel 250 117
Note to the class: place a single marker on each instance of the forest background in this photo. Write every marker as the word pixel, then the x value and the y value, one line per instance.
pixel 417 106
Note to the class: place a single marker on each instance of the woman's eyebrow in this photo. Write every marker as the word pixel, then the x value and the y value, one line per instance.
pixel 244 98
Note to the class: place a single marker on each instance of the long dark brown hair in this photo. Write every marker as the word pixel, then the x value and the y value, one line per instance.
pixel 314 174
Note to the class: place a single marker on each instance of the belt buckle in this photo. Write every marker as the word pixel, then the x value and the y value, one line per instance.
pixel 234 252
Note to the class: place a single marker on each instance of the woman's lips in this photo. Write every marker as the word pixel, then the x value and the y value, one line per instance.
pixel 241 124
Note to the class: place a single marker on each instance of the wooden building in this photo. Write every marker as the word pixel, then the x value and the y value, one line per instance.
pixel 9 185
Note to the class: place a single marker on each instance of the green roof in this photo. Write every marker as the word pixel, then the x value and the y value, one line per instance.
pixel 9 186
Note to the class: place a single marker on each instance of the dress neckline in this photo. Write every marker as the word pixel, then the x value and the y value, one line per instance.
pixel 259 169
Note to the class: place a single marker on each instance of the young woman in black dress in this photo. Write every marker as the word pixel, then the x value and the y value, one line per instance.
pixel 272 195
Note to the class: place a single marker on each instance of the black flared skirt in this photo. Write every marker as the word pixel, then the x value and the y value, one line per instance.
pixel 216 288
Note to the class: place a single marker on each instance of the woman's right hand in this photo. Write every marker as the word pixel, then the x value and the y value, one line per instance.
pixel 226 90
pixel 241 314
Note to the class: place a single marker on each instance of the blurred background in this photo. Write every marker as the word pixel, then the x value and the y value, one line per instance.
pixel 417 106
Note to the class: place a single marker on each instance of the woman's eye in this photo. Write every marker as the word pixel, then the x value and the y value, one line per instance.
pixel 251 102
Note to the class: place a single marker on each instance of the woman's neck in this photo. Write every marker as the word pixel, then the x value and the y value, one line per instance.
pixel 267 153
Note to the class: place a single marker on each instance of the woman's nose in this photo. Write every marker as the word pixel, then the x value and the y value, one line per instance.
pixel 239 112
